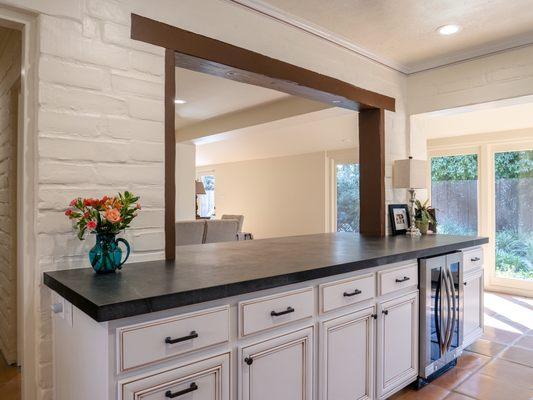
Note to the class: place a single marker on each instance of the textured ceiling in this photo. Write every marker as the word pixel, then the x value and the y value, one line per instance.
pixel 402 33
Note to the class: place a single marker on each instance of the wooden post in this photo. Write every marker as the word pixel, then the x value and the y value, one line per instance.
pixel 372 171
pixel 170 155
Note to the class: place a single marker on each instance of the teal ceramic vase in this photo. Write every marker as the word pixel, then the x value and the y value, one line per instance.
pixel 106 255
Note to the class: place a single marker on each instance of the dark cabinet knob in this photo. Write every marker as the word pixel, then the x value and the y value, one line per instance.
pixel 375 316
pixel 386 312
pixel 249 360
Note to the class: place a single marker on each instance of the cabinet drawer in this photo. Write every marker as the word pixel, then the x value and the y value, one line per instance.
pixel 206 380
pixel 342 293
pixel 473 259
pixel 268 312
pixel 398 278
pixel 147 343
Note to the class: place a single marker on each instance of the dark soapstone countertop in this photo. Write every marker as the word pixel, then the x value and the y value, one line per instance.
pixel 213 271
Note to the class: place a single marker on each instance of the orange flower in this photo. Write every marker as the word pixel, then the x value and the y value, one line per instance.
pixel 113 215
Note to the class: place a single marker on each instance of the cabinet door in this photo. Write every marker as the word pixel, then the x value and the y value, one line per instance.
pixel 279 368
pixel 397 355
pixel 473 307
pixel 346 367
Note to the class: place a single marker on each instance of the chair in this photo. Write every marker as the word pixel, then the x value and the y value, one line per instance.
pixel 239 218
pixel 221 230
pixel 190 232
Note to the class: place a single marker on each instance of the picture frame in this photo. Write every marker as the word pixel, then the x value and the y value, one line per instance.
pixel 399 218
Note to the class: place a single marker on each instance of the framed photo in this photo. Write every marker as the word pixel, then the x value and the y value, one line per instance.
pixel 399 218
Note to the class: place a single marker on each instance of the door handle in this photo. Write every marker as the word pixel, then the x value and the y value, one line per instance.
pixel 190 389
pixel 356 291
pixel 192 335
pixel 287 311
pixel 475 259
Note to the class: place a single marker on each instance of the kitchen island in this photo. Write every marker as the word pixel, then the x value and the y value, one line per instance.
pixel 323 316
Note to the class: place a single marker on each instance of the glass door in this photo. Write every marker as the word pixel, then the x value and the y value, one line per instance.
pixel 512 206
pixel 347 178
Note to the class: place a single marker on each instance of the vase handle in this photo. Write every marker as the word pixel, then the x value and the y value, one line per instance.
pixel 127 251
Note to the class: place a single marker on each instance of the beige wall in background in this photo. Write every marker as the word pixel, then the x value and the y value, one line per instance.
pixel 10 67
pixel 185 177
pixel 282 196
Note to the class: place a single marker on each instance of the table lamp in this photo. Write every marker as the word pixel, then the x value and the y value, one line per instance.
pixel 199 189
pixel 410 174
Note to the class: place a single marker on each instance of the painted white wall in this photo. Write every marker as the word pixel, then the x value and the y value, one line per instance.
pixel 185 177
pixel 493 78
pixel 281 196
pixel 100 118
pixel 10 67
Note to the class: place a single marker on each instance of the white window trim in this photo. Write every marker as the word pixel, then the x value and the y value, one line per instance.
pixel 485 146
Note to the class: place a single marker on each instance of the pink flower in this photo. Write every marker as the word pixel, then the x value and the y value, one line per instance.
pixel 68 213
pixel 113 215
pixel 91 225
pixel 138 206
pixel 73 202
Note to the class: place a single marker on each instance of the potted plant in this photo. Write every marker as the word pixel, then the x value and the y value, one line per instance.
pixel 423 216
pixel 105 217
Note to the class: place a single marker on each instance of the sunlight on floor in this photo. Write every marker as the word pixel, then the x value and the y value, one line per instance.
pixel 508 313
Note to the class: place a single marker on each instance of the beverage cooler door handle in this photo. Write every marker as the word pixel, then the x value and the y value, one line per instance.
pixel 453 309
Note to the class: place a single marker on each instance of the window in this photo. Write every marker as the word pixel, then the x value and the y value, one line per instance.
pixel 513 203
pixel 347 177
pixel 454 188
pixel 206 202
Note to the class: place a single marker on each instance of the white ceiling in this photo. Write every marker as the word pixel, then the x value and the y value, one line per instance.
pixel 209 96
pixel 402 33
pixel 329 129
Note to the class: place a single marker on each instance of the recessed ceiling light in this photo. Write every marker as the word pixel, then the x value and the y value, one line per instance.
pixel 447 30
pixel 180 101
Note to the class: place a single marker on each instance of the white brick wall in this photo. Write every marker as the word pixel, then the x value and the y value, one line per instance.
pixel 100 115
pixel 10 51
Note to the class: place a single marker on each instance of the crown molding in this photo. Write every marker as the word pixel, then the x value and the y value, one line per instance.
pixel 263 8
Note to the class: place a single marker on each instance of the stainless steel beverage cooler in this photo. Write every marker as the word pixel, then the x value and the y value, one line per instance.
pixel 441 312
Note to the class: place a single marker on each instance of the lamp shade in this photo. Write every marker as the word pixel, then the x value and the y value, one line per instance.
pixel 200 188
pixel 409 174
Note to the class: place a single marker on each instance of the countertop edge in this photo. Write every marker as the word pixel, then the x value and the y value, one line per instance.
pixel 109 312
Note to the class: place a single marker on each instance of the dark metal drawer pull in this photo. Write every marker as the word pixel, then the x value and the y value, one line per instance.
pixel 405 278
pixel 190 389
pixel 356 291
pixel 193 335
pixel 475 259
pixel 277 314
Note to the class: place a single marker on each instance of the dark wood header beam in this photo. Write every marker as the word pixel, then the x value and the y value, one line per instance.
pixel 204 54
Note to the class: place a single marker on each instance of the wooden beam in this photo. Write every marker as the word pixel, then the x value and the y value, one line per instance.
pixel 372 172
pixel 204 54
pixel 170 156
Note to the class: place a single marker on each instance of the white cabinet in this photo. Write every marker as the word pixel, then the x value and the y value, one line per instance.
pixel 473 307
pixel 202 380
pixel 280 368
pixel 346 366
pixel 397 343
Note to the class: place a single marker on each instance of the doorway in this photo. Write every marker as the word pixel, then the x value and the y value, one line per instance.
pixel 10 95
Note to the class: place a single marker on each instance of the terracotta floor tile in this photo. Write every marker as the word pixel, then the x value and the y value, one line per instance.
pixel 429 392
pixel 518 355
pixel 7 372
pixel 10 390
pixel 484 387
pixel 518 374
pixel 525 341
pixel 486 347
pixel 457 396
pixel 452 378
pixel 500 335
pixel 470 360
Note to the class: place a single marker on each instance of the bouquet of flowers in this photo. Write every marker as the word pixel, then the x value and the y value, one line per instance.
pixel 105 215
